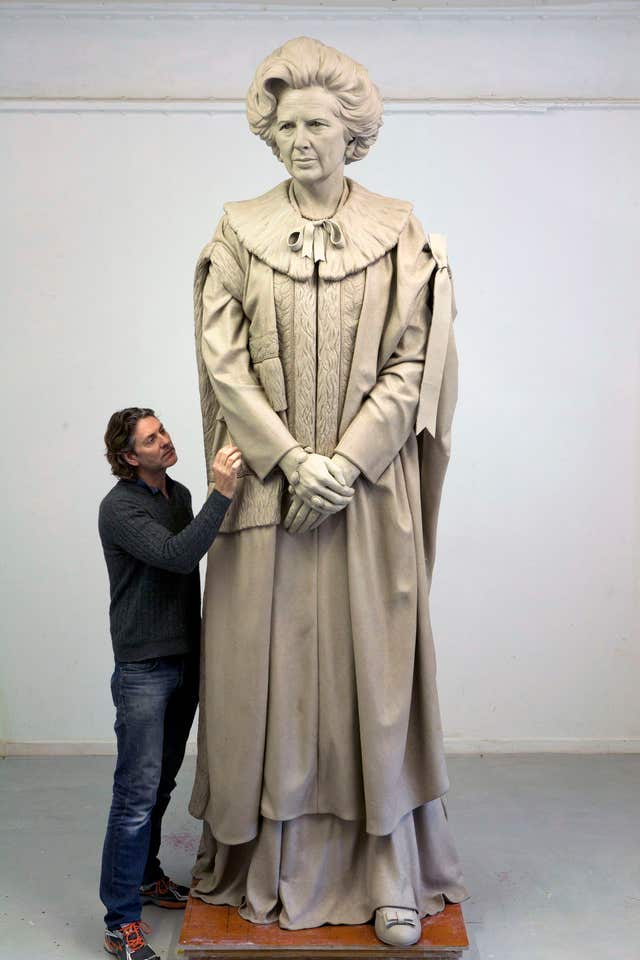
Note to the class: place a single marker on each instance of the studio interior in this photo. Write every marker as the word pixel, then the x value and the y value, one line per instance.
pixel 373 503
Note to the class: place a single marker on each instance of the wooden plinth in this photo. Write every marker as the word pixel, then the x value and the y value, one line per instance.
pixel 220 933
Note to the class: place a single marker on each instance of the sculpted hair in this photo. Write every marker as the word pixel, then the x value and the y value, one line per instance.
pixel 119 439
pixel 304 62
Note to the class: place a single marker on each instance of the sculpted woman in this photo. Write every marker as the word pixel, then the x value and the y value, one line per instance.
pixel 325 351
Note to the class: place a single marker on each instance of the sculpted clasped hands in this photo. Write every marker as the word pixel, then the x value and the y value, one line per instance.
pixel 320 486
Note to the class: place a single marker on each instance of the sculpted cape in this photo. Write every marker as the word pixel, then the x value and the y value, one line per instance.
pixel 352 353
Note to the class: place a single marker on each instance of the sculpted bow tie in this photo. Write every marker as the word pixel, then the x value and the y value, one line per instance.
pixel 312 238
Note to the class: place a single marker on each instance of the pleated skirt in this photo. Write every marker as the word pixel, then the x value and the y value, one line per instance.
pixel 319 869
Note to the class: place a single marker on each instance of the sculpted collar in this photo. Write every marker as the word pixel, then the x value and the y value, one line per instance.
pixel 363 229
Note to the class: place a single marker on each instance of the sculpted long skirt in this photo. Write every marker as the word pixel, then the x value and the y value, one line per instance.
pixel 289 833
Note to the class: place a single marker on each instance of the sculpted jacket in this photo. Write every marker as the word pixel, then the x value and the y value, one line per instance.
pixel 336 335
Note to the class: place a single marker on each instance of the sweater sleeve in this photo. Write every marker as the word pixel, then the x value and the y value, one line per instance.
pixel 130 527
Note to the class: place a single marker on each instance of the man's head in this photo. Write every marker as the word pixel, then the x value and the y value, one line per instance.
pixel 136 440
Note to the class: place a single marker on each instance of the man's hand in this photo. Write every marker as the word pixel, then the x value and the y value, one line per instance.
pixel 226 464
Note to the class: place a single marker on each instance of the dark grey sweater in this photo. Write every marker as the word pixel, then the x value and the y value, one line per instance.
pixel 152 547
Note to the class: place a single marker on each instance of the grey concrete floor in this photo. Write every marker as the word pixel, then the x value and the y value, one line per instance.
pixel 550 845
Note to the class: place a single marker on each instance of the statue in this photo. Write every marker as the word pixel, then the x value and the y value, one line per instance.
pixel 325 352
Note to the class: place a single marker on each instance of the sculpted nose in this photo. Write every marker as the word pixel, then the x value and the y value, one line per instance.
pixel 300 140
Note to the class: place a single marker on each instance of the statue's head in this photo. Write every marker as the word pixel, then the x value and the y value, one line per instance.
pixel 307 75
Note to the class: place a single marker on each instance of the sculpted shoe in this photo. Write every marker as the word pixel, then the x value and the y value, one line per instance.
pixel 165 893
pixel 128 942
pixel 397 926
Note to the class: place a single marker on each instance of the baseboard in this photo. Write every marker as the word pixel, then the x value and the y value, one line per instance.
pixel 454 747
pixel 65 748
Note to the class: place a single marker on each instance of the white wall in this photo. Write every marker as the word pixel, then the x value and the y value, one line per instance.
pixel 107 204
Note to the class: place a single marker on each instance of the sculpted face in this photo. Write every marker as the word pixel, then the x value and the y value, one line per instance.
pixel 310 135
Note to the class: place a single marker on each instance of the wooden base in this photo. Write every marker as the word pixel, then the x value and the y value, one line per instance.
pixel 220 933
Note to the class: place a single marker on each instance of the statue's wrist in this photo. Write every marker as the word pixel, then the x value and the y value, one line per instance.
pixel 349 469
pixel 290 462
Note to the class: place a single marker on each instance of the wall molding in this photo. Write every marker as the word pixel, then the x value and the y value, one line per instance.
pixel 454 747
pixel 392 107
pixel 473 57
pixel 326 10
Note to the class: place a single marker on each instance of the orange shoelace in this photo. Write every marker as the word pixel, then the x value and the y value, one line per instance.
pixel 162 887
pixel 133 933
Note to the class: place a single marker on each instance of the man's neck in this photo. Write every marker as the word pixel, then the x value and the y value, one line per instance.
pixel 154 478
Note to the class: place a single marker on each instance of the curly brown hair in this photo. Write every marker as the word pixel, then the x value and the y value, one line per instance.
pixel 118 439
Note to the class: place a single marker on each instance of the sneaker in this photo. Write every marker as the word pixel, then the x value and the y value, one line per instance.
pixel 128 942
pixel 165 893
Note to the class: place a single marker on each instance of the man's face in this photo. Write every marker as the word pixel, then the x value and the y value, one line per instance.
pixel 152 447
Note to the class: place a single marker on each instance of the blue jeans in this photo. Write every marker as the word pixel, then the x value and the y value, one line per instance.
pixel 155 704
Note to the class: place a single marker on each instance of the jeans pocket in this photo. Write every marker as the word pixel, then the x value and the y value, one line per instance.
pixel 140 666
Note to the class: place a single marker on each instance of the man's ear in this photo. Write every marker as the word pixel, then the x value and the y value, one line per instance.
pixel 131 459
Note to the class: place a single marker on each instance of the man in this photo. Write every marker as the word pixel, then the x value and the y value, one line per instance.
pixel 152 546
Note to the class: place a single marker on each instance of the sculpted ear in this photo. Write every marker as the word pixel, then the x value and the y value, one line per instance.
pixel 350 150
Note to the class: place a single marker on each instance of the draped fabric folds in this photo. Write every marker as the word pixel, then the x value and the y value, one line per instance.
pixel 320 763
pixel 302 871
